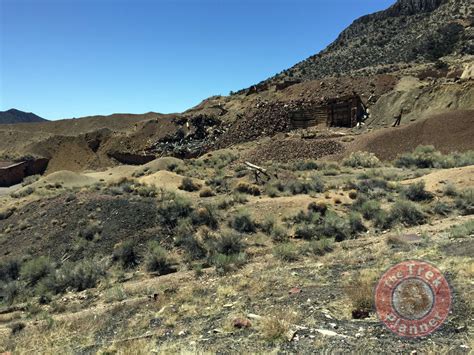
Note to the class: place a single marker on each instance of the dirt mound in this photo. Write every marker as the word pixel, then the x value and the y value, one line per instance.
pixel 161 164
pixel 285 150
pixel 67 179
pixel 165 180
pixel 461 178
pixel 448 132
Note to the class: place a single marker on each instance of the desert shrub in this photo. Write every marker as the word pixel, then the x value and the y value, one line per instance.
pixel 442 208
pixel 239 198
pixel 205 215
pixel 369 209
pixel 383 220
pixel 228 243
pixel 23 192
pixel 303 165
pixel 428 157
pixel 462 230
pixel 450 190
pixel 30 179
pixel 157 259
pixel 333 226
pixel 246 188
pixel 9 291
pixel 171 210
pixel 306 231
pixel 318 247
pixel 224 203
pixel 186 239
pixel 286 252
pixel 408 213
pixel 187 184
pixel 360 292
pixel 243 223
pixel 279 233
pixel 272 191
pixel 268 224
pixel 355 223
pixel 417 192
pixel 125 254
pixel 90 231
pixel 465 202
pixel 144 190
pixel 9 269
pixel 35 269
pixel 4 214
pixel 78 276
pixel 361 160
pixel 318 207
pixel 314 184
pixel 276 326
pixel 227 263
pixel 206 192
pixel 371 185
pixel 218 182
pixel 222 159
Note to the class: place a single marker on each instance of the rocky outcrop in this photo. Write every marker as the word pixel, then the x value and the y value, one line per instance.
pixel 14 173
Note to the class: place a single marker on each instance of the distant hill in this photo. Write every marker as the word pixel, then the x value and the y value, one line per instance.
pixel 410 31
pixel 13 116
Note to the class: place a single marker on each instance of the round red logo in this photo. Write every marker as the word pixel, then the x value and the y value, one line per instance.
pixel 413 298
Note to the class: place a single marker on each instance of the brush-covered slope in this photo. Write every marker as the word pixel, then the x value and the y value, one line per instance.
pixel 410 31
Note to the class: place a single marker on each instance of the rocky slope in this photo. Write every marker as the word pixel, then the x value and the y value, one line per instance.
pixel 409 31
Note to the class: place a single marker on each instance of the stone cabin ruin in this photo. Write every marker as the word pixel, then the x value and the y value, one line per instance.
pixel 336 112
pixel 12 173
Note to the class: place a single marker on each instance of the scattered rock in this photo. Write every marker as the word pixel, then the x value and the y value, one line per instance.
pixel 241 323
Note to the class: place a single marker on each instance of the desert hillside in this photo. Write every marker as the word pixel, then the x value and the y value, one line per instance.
pixel 259 222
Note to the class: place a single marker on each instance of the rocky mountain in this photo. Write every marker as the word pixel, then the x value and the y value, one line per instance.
pixel 17 116
pixel 410 31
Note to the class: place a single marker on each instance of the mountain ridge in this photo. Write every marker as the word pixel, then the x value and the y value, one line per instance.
pixel 13 116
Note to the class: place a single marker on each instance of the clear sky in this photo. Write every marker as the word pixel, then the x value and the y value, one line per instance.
pixel 73 58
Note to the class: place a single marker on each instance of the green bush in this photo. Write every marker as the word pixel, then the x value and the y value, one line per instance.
pixel 187 184
pixel 9 291
pixel 318 247
pixel 361 160
pixel 355 223
pixel 303 165
pixel 90 231
pixel 442 208
pixel 408 213
pixel 226 263
pixel 243 223
pixel 170 211
pixel 333 226
pixel 157 259
pixel 465 202
pixel 9 270
pixel 424 157
pixel 246 188
pixel 463 230
pixel 228 243
pixel 369 209
pixel 205 215
pixel 76 276
pixel 286 252
pixel 185 238
pixel 314 184
pixel 125 254
pixel 417 192
pixel 35 269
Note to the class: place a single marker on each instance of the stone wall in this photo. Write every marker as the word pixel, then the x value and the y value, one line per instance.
pixel 14 173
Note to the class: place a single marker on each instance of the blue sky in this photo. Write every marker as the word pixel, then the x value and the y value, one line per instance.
pixel 73 58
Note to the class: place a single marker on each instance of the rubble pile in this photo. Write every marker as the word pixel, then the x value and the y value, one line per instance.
pixel 196 135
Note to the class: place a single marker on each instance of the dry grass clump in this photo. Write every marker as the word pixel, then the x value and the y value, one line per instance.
pixel 246 188
pixel 187 184
pixel 360 291
pixel 361 160
pixel 277 326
